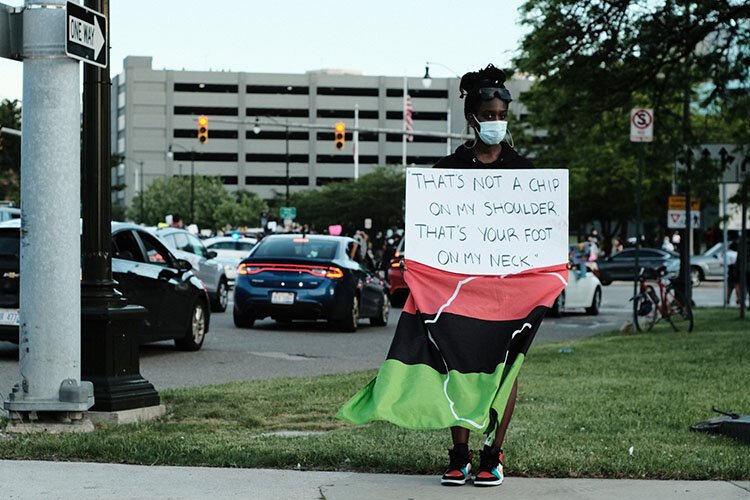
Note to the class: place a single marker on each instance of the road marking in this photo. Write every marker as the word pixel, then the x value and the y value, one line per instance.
pixel 283 355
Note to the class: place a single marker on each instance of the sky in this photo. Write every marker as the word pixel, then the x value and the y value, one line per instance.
pixel 383 37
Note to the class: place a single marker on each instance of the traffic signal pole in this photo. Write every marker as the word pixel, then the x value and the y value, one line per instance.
pixel 50 326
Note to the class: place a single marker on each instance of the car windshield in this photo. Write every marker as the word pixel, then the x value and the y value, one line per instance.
pixel 306 248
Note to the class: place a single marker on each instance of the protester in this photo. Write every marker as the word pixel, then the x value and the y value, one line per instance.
pixel 667 245
pixel 419 347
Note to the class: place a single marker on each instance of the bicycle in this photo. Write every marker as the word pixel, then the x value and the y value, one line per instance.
pixel 669 303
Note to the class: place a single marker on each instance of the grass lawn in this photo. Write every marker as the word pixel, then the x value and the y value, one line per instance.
pixel 578 415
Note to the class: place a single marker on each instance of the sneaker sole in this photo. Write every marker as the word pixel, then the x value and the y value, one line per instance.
pixel 488 483
pixel 453 482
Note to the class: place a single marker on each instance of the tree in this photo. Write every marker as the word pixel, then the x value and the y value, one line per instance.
pixel 214 207
pixel 378 195
pixel 10 152
pixel 594 61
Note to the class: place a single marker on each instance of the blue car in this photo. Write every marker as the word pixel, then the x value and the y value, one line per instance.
pixel 309 277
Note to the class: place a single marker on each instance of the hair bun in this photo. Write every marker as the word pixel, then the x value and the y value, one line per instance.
pixel 487 77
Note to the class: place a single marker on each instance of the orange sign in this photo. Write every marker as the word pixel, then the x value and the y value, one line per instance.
pixel 678 203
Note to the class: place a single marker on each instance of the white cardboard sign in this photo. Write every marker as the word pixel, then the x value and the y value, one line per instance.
pixel 487 222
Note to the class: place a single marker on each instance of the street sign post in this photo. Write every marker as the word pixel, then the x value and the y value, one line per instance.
pixel 641 125
pixel 86 35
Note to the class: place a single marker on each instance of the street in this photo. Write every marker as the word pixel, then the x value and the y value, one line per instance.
pixel 271 349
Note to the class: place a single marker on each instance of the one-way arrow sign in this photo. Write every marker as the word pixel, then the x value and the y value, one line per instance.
pixel 86 35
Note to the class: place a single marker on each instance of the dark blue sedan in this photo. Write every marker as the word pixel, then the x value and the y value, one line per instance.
pixel 309 277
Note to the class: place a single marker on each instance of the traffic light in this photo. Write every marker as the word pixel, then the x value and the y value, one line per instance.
pixel 203 129
pixel 340 135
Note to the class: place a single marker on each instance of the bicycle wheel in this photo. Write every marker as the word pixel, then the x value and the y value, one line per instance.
pixel 646 310
pixel 680 314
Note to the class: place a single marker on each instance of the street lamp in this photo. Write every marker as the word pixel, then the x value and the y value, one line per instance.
pixel 427 79
pixel 257 130
pixel 170 155
pixel 427 83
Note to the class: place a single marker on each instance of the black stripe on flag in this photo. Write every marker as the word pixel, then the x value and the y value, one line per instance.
pixel 468 345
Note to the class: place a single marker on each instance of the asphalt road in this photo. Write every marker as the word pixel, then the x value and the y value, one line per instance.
pixel 273 350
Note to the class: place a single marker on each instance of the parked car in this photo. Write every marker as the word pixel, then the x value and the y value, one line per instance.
pixel 230 250
pixel 311 277
pixel 186 245
pixel 708 265
pixel 583 291
pixel 621 265
pixel 147 274
pixel 399 290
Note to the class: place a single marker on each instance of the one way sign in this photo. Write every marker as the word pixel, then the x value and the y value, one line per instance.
pixel 86 35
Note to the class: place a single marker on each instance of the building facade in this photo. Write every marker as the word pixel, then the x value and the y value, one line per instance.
pixel 155 111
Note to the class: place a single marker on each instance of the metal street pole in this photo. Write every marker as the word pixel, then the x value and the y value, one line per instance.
pixel 192 186
pixel 49 329
pixel 355 140
pixel 286 156
pixel 111 329
pixel 743 251
pixel 637 269
pixel 687 243
pixel 140 192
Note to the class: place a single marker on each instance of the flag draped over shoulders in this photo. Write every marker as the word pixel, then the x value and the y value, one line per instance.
pixel 458 347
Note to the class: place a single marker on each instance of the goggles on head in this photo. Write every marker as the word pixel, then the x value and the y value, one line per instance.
pixel 489 93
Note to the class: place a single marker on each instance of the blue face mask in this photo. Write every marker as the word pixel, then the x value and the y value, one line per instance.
pixel 492 132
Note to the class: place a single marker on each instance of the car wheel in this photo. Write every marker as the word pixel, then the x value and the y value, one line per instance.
pixel 193 339
pixel 558 306
pixel 221 299
pixel 350 322
pixel 696 276
pixel 382 318
pixel 242 320
pixel 596 302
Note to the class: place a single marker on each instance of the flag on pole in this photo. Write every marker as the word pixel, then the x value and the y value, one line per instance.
pixel 408 125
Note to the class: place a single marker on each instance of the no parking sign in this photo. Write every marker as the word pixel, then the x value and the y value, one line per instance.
pixel 641 125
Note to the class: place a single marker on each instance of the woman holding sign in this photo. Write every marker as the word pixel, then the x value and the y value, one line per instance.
pixel 486 102
pixel 462 338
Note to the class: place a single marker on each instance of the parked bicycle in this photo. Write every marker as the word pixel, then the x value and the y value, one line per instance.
pixel 668 303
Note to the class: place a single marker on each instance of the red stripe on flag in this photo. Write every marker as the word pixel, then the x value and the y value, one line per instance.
pixel 494 298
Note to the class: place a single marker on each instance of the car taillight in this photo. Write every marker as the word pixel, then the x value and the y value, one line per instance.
pixel 248 269
pixel 321 272
pixel 396 263
pixel 335 273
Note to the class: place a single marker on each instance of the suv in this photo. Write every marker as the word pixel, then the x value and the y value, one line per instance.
pixel 186 245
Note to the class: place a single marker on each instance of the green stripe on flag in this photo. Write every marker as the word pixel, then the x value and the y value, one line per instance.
pixel 418 397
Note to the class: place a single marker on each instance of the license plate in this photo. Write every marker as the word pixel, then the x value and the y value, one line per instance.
pixel 9 317
pixel 282 298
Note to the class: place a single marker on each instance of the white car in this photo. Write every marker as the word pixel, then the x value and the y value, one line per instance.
pixel 230 250
pixel 581 292
pixel 186 245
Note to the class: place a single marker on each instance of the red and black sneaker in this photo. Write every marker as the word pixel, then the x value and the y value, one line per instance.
pixel 490 467
pixel 459 467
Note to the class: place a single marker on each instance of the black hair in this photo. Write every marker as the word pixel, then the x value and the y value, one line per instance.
pixel 474 80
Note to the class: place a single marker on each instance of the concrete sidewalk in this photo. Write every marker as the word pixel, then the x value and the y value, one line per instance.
pixel 66 480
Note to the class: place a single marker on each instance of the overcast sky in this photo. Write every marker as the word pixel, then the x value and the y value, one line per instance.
pixel 384 37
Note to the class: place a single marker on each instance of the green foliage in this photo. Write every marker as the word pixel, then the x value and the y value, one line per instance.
pixel 577 415
pixel 213 206
pixel 594 61
pixel 10 152
pixel 378 195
